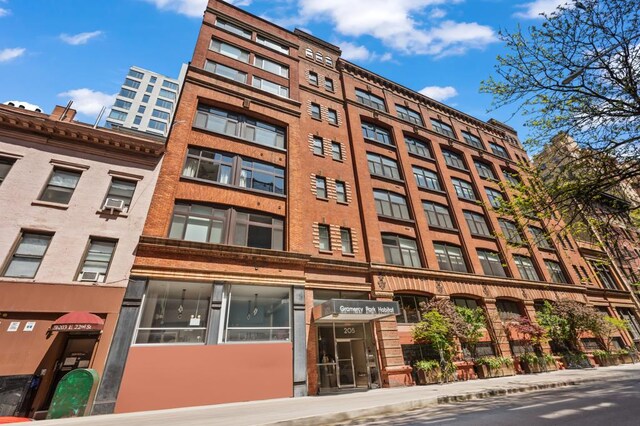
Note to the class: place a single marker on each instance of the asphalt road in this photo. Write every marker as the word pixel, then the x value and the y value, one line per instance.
pixel 607 403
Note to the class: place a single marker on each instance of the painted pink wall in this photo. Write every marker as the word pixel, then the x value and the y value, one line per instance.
pixel 158 377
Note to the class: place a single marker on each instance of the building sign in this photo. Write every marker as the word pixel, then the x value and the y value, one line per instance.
pixel 354 310
pixel 29 326
pixel 76 327
pixel 13 326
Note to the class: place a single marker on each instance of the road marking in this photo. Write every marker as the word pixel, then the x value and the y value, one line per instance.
pixel 560 413
pixel 601 405
pixel 542 404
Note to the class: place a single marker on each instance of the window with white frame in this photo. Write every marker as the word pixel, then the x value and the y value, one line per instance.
pixel 233 28
pixel 229 50
pixel 271 66
pixel 270 86
pixel 225 71
pixel 271 44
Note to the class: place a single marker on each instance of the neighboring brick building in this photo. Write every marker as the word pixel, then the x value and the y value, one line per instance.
pixel 73 204
pixel 295 180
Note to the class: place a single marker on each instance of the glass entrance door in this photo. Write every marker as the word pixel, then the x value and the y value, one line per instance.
pixel 346 377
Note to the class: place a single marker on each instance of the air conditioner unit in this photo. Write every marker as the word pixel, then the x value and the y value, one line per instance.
pixel 89 276
pixel 113 204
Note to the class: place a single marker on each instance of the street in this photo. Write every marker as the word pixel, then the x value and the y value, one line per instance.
pixel 594 404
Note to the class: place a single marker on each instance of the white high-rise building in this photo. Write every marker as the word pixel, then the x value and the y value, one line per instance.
pixel 146 102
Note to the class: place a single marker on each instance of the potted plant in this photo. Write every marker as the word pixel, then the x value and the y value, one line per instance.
pixel 491 366
pixel 625 356
pixel 436 330
pixel 428 371
pixel 605 358
pixel 531 335
pixel 530 363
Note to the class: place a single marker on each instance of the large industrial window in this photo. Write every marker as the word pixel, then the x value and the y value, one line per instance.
pixel 370 100
pixel 390 204
pixel 399 250
pixel 450 257
pixel 491 263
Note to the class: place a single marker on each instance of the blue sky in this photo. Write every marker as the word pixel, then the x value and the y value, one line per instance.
pixel 53 51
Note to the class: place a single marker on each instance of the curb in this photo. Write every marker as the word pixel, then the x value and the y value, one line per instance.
pixel 343 416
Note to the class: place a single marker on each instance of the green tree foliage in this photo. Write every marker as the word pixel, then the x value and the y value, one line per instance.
pixel 565 320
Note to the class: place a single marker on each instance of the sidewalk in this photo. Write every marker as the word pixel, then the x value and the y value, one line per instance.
pixel 340 407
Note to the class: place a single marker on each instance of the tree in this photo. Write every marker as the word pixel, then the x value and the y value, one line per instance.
pixel 475 321
pixel 565 321
pixel 436 330
pixel 578 74
pixel 607 328
pixel 530 332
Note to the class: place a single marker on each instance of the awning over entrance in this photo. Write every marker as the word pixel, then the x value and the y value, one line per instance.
pixel 78 321
pixel 354 310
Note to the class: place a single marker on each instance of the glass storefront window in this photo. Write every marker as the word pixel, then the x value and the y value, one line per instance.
pixel 257 314
pixel 174 312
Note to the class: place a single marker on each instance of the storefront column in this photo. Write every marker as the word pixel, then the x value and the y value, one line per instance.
pixel 531 313
pixel 499 331
pixel 299 343
pixel 215 314
pixel 394 371
pixel 109 387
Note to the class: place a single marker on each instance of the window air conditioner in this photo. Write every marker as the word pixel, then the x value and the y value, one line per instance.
pixel 89 276
pixel 113 204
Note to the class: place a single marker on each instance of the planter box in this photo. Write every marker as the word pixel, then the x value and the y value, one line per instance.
pixel 538 367
pixel 428 377
pixel 607 361
pixel 465 370
pixel 484 372
pixel 625 359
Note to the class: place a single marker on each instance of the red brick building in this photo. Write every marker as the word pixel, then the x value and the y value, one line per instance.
pixel 299 198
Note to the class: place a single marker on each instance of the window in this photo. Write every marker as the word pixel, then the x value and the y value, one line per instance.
pixel 170 85
pixel 418 147
pixel 526 268
pixel 328 84
pixel 498 150
pixel 232 28
pixel 507 309
pixel 313 78
pixel 149 88
pixel 484 170
pixel 28 255
pixel 555 270
pixel 426 179
pixel 118 115
pixel 438 215
pixel 375 133
pixel 453 159
pixel 407 114
pixel 328 61
pixel 225 122
pixel 510 231
pixel 163 104
pixel 409 308
pixel 315 111
pixel 318 145
pixel 61 185
pixel 491 263
pixel 142 109
pixel 308 52
pixel 5 166
pixel 449 257
pixel 390 204
pixel 137 120
pixel 540 238
pixel 225 71
pixel 167 94
pixel 174 312
pixel 603 272
pixel 271 66
pixel 131 83
pixel 442 128
pixel 221 168
pixel 160 114
pixel 203 223
pixel 399 250
pixel 157 125
pixel 122 190
pixel 472 140
pixel 122 104
pixel 382 166
pixel 319 57
pixel 511 177
pixel 153 79
pixel 272 44
pixel 495 198
pixel 341 192
pixel 336 151
pixel 229 50
pixel 135 74
pixel 97 259
pixel 332 116
pixel 258 314
pixel 271 87
pixel 324 237
pixel 145 99
pixel 477 224
pixel 321 187
pixel 345 240
pixel 464 302
pixel 370 100
pixel 632 320
pixel 463 189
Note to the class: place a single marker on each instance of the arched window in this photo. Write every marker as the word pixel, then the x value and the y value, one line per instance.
pixel 409 307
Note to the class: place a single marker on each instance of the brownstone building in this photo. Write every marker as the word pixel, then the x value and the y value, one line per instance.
pixel 304 208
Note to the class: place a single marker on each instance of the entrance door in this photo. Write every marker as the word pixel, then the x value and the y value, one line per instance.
pixel 346 377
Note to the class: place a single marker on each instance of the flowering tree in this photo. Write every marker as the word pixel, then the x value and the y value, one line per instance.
pixel 565 320
pixel 530 332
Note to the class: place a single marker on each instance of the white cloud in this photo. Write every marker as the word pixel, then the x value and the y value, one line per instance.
pixel 534 9
pixel 81 38
pixel 393 23
pixel 191 8
pixel 437 13
pixel 360 53
pixel 87 101
pixel 439 93
pixel 11 53
pixel 4 12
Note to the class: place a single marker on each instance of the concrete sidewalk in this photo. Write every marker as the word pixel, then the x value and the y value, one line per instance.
pixel 340 407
